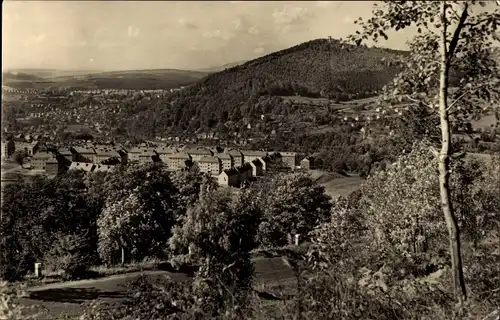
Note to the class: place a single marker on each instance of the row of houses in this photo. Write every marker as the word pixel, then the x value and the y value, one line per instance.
pixel 54 164
pixel 209 160
pixel 13 145
pixel 257 166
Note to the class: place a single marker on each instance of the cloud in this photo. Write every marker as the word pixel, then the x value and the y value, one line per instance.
pixel 258 50
pixel 347 19
pixel 289 15
pixel 40 38
pixel 324 4
pixel 253 31
pixel 187 25
pixel 35 39
pixel 133 31
pixel 82 43
pixel 218 34
pixel 92 44
pixel 237 24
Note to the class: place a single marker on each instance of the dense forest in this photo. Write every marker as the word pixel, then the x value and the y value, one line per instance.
pixel 318 68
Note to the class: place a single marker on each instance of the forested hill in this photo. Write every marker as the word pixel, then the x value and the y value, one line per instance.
pixel 316 68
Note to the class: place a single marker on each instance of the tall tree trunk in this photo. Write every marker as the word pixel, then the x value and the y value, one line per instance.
pixel 444 167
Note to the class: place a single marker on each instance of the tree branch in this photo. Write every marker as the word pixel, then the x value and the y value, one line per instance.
pixel 418 101
pixel 475 24
pixel 456 100
pixel 456 34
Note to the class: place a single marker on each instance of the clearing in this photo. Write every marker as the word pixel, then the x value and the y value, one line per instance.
pixel 335 184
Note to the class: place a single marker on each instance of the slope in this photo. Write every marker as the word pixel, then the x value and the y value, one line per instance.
pixel 318 68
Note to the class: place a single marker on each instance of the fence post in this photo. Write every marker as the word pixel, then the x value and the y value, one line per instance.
pixel 123 256
pixel 297 236
pixel 38 270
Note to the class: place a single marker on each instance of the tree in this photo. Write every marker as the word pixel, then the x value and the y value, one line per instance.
pixel 292 204
pixel 139 212
pixel 217 237
pixel 453 39
pixel 19 157
pixel 69 253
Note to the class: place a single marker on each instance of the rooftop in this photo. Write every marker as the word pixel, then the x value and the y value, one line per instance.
pixel 253 153
pixel 81 166
pixel 52 160
pixel 42 155
pixel 234 152
pixel 210 159
pixel 103 168
pixel 83 150
pixel 223 156
pixel 230 172
pixel 179 155
pixel 198 151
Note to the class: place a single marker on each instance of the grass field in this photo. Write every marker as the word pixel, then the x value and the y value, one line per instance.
pixel 335 184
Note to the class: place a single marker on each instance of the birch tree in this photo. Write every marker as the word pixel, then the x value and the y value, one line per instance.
pixel 454 42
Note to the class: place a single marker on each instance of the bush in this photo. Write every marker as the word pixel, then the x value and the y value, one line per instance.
pixel 291 204
pixel 16 261
pixel 11 309
pixel 70 254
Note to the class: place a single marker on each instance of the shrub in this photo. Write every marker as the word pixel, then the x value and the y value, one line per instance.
pixel 15 260
pixel 69 254
pixel 11 309
pixel 291 204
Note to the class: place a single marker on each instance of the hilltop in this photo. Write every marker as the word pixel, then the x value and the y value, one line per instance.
pixel 319 68
pixel 133 79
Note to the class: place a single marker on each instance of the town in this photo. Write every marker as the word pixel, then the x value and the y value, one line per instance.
pixel 229 166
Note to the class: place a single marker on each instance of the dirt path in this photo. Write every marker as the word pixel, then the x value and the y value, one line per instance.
pixel 69 298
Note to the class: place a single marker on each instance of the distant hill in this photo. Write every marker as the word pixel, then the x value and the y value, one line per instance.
pixel 50 73
pixel 318 68
pixel 10 77
pixel 223 67
pixel 135 79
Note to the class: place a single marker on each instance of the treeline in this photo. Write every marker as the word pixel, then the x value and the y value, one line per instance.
pixel 76 220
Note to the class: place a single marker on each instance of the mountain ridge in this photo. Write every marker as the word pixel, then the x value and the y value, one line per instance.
pixel 317 68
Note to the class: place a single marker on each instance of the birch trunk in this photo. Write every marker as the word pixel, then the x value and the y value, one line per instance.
pixel 444 167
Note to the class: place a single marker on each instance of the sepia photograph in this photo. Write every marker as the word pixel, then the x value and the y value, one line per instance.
pixel 257 160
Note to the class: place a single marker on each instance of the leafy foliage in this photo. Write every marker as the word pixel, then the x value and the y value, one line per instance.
pixel 34 213
pixel 19 156
pixel 434 53
pixel 70 254
pixel 139 213
pixel 11 309
pixel 219 233
pixel 291 204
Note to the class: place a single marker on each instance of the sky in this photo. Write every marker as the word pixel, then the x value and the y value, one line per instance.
pixel 131 35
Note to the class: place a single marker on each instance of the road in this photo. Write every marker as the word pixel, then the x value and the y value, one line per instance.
pixel 70 297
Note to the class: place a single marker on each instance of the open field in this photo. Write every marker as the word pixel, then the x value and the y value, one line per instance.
pixel 486 121
pixel 335 184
